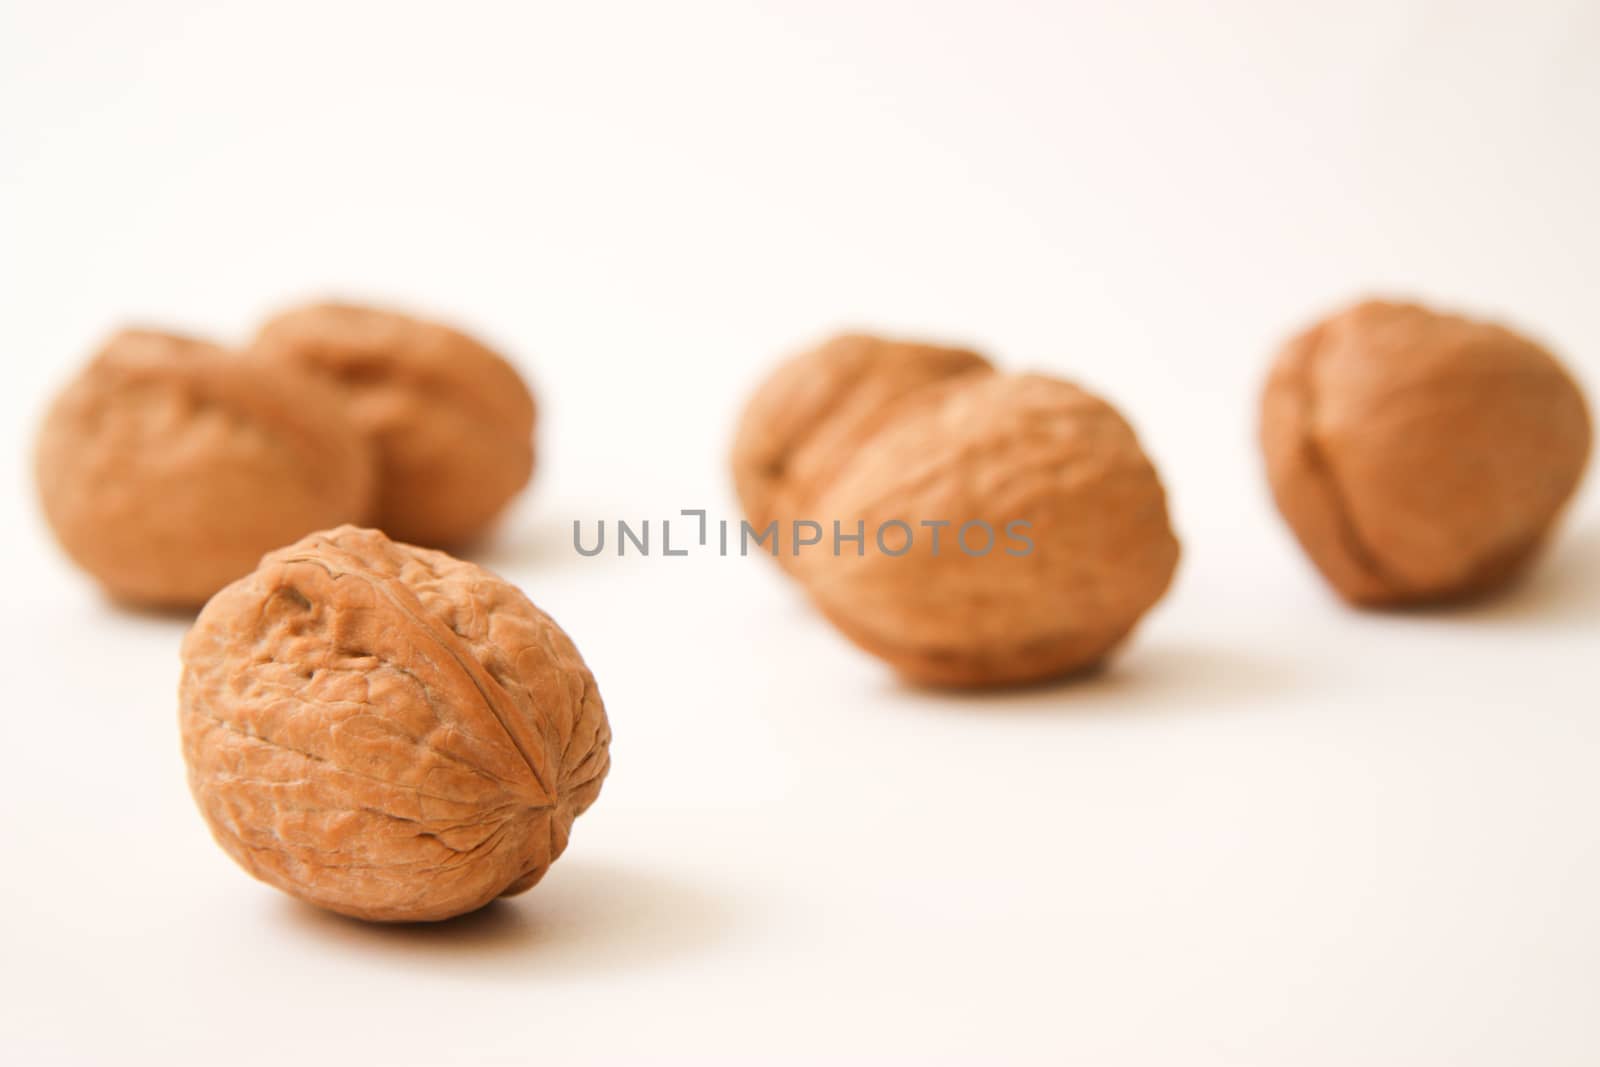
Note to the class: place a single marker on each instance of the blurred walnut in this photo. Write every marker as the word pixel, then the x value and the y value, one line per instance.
pixel 1420 457
pixel 1058 537
pixel 168 466
pixel 815 411
pixel 385 731
pixel 1023 530
pixel 452 421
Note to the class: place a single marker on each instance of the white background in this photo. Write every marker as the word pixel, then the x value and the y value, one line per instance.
pixel 1276 832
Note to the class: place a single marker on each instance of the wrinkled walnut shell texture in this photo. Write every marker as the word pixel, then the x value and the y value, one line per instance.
pixel 817 409
pixel 451 420
pixel 385 731
pixel 169 466
pixel 1420 457
pixel 998 449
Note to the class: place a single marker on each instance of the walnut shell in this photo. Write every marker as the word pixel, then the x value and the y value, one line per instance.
pixel 997 450
pixel 385 731
pixel 168 466
pixel 818 408
pixel 1420 457
pixel 451 420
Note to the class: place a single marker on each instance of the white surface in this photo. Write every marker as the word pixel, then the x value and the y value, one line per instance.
pixel 1277 832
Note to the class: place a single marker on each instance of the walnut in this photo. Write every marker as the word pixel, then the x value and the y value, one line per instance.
pixel 168 466
pixel 385 731
pixel 817 409
pixel 1420 457
pixel 452 421
pixel 1011 528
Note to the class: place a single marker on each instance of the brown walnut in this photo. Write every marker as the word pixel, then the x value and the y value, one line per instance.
pixel 996 603
pixel 812 414
pixel 451 420
pixel 1069 541
pixel 385 731
pixel 168 466
pixel 1420 457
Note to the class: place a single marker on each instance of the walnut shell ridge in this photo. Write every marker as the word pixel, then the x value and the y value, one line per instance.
pixel 168 466
pixel 998 449
pixel 385 731
pixel 812 414
pixel 1420 457
pixel 452 422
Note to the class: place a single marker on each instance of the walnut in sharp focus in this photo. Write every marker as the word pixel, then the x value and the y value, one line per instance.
pixel 385 731
pixel 1024 532
pixel 812 414
pixel 1420 457
pixel 168 466
pixel 452 421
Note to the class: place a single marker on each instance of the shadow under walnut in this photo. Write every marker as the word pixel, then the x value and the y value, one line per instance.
pixel 588 918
